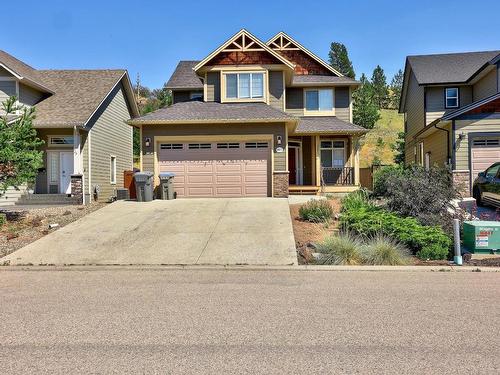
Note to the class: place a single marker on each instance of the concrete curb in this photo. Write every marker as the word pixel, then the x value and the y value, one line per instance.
pixel 311 268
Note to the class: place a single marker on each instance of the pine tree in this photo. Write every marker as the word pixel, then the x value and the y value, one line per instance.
pixel 365 111
pixel 399 149
pixel 20 155
pixel 339 59
pixel 396 87
pixel 380 90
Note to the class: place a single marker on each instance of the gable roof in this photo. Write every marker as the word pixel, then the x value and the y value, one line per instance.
pixel 244 34
pixel 202 112
pixel 78 95
pixel 327 124
pixel 282 35
pixel 184 77
pixel 470 107
pixel 450 67
pixel 22 71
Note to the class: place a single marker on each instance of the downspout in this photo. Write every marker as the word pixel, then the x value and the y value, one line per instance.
pixel 448 153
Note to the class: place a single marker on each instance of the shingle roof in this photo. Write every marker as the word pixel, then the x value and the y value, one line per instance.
pixel 210 111
pixel 78 93
pixel 23 70
pixel 312 79
pixel 326 124
pixel 449 68
pixel 455 113
pixel 184 77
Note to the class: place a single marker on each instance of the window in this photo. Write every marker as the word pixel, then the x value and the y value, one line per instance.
pixel 228 145
pixel 319 100
pixel 245 86
pixel 492 171
pixel 113 169
pixel 61 140
pixel 451 97
pixel 199 146
pixel 256 145
pixel 332 154
pixel 421 153
pixel 196 95
pixel 486 142
pixel 171 146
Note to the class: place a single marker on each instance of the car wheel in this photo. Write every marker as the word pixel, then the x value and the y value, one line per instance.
pixel 477 195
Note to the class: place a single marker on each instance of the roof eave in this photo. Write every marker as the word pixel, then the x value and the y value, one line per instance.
pixel 211 121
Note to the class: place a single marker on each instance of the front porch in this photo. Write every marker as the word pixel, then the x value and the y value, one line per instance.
pixel 321 164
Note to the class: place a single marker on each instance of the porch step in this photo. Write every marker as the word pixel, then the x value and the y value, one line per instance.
pixel 42 199
pixel 303 190
pixel 11 195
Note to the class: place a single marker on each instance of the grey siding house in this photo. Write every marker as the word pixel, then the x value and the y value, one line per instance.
pixel 81 117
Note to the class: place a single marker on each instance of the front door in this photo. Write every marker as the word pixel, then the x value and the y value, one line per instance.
pixel 292 165
pixel 65 170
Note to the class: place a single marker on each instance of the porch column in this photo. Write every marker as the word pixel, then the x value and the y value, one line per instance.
pixel 77 152
pixel 318 161
pixel 355 146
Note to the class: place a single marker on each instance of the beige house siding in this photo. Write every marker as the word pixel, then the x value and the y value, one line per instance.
pixel 28 95
pixel 342 101
pixel 436 145
pixel 150 131
pixel 414 116
pixel 486 86
pixel 435 101
pixel 294 98
pixel 109 135
pixel 465 127
pixel 276 90
pixel 7 89
pixel 213 87
pixel 85 160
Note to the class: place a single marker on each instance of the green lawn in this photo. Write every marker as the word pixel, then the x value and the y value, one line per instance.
pixel 378 141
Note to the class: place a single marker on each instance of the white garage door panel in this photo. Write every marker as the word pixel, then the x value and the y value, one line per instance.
pixel 216 172
pixel 484 152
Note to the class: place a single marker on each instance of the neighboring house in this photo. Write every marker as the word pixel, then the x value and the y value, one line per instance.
pixel 255 119
pixel 80 114
pixel 451 104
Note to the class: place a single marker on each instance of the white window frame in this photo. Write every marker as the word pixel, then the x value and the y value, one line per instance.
pixel 112 169
pixel 456 97
pixel 50 137
pixel 10 79
pixel 238 99
pixel 421 153
pixel 318 112
pixel 344 148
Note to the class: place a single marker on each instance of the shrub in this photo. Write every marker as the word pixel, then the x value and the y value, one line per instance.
pixel 316 211
pixel 381 177
pixel 383 250
pixel 369 221
pixel 356 200
pixel 342 249
pixel 433 252
pixel 3 219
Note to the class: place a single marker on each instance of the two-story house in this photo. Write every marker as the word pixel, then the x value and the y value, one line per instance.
pixel 451 106
pixel 255 119
pixel 80 116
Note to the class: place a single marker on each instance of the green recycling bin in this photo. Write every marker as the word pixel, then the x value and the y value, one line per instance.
pixel 481 236
pixel 167 185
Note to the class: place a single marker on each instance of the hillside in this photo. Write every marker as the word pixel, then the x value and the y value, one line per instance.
pixel 378 141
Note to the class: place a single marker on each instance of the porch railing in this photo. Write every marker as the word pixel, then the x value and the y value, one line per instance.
pixel 337 176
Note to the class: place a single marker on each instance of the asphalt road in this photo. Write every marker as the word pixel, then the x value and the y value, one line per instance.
pixel 256 322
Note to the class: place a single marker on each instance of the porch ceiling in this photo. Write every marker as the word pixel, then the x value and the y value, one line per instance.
pixel 326 125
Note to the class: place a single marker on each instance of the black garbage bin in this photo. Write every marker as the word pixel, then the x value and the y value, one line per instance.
pixel 167 185
pixel 144 186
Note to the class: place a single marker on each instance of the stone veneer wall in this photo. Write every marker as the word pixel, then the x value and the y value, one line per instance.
pixel 461 179
pixel 280 184
pixel 77 187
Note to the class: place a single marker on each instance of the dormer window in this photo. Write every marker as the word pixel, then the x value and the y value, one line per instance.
pixel 244 86
pixel 451 97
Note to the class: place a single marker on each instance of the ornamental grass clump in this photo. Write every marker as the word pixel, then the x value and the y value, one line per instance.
pixel 384 250
pixel 342 249
pixel 316 211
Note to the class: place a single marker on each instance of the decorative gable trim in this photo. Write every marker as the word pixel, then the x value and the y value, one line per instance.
pixel 243 41
pixel 284 42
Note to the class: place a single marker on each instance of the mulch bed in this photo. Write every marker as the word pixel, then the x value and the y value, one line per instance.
pixel 27 226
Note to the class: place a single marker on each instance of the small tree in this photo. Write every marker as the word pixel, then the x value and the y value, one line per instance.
pixel 20 155
pixel 396 87
pixel 380 90
pixel 365 111
pixel 339 59
pixel 399 149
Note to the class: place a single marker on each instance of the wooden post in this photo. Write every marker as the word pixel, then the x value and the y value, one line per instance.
pixel 318 161
pixel 355 141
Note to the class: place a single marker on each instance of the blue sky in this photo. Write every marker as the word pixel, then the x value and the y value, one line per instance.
pixel 149 37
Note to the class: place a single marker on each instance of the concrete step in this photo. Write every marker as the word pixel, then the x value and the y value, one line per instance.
pixel 28 199
pixel 12 195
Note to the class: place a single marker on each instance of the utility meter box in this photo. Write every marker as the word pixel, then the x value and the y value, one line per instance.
pixel 482 236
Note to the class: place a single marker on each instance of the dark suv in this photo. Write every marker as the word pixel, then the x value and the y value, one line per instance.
pixel 486 187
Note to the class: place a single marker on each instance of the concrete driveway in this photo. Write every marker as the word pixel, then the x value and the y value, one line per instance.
pixel 255 231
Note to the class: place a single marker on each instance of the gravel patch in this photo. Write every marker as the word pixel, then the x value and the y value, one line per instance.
pixel 38 223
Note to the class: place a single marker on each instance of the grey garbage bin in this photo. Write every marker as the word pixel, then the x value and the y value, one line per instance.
pixel 167 185
pixel 144 186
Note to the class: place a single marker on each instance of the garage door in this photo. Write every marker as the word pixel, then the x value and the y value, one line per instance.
pixel 484 152
pixel 217 169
